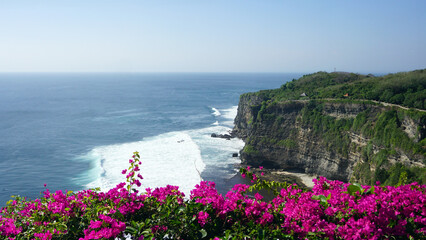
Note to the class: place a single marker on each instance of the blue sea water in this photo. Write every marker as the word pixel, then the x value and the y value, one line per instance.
pixel 77 131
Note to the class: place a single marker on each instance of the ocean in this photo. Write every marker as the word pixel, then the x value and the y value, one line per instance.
pixel 75 131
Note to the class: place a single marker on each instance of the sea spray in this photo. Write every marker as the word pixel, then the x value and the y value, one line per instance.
pixel 170 158
pixel 216 112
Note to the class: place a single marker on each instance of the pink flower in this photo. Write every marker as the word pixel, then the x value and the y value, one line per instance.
pixel 95 224
pixel 44 236
pixel 266 218
pixel 258 197
pixel 202 218
pixel 260 167
pixel 124 171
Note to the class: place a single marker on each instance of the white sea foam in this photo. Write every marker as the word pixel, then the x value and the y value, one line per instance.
pixel 216 112
pixel 230 113
pixel 217 152
pixel 175 158
pixel 229 116
pixel 215 123
pixel 172 158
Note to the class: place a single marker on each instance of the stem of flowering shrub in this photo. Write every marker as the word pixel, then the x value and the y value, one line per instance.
pixel 131 179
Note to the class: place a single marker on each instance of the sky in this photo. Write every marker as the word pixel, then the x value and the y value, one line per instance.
pixel 303 36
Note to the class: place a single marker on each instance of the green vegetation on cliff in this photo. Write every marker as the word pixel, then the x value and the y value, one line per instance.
pixel 406 88
pixel 384 131
pixel 332 131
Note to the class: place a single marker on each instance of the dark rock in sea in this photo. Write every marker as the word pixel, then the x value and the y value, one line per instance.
pixel 225 136
pixel 235 155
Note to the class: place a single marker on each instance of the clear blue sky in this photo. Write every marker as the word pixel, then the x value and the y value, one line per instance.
pixel 363 36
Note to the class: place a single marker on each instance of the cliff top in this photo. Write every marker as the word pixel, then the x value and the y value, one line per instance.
pixel 405 88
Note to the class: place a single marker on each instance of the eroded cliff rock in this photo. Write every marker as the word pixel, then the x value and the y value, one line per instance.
pixel 342 140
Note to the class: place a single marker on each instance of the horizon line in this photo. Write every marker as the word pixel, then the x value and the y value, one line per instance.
pixel 190 72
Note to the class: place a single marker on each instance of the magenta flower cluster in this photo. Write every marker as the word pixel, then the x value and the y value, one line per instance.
pixel 331 210
pixel 133 169
pixel 105 227
pixel 380 214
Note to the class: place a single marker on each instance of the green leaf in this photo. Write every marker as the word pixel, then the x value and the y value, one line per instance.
pixel 319 197
pixel 228 234
pixel 353 188
pixel 132 230
pixel 203 233
pixel 371 190
pixel 181 209
pixel 322 199
pixel 361 190
pixel 261 234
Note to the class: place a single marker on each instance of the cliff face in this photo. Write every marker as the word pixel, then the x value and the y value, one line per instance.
pixel 340 140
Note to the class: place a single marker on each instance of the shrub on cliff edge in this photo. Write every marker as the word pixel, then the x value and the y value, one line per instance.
pixel 331 210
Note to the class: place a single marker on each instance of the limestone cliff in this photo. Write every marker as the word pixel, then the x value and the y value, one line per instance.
pixel 345 140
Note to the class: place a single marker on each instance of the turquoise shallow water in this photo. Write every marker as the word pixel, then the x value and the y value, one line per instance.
pixel 75 131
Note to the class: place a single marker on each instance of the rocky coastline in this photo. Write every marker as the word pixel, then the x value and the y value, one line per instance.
pixel 279 175
pixel 284 139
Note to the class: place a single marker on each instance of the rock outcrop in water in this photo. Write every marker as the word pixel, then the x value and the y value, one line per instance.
pixel 341 139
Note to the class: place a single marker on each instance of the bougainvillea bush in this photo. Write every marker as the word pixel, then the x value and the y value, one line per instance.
pixel 331 210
